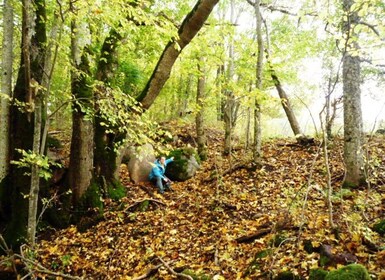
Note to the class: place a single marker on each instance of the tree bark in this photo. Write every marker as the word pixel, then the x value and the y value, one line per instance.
pixel 6 88
pixel 257 151
pixel 82 141
pixel 189 28
pixel 105 155
pixel 199 119
pixel 33 48
pixel 351 74
pixel 33 198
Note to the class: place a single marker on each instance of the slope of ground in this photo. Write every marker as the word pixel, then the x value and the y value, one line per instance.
pixel 239 224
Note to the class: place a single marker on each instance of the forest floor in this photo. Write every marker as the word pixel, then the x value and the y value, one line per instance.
pixel 234 222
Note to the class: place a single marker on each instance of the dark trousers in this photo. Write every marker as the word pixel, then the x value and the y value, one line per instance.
pixel 161 184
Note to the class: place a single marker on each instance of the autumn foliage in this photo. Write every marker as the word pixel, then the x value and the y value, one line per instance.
pixel 233 221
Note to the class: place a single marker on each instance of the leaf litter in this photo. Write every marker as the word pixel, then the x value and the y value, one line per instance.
pixel 201 224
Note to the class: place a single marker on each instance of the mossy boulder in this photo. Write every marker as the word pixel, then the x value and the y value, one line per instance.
pixel 349 272
pixel 380 227
pixel 185 164
pixel 317 274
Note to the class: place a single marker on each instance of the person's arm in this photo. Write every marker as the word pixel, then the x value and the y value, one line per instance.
pixel 169 160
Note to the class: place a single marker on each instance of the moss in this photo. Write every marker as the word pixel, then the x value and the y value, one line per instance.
pixel 277 240
pixel 178 170
pixel 317 274
pixel 380 227
pixel 116 191
pixel 287 275
pixel 186 152
pixel 92 198
pixel 349 272
pixel 53 142
pixel 324 260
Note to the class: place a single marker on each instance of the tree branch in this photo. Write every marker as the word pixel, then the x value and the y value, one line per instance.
pixel 173 271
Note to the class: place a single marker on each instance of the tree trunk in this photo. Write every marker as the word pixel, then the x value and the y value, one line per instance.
pixel 286 105
pixel 201 134
pixel 6 88
pixel 82 141
pixel 229 114
pixel 33 198
pixel 105 156
pixel 33 47
pixel 257 151
pixel 189 28
pixel 353 131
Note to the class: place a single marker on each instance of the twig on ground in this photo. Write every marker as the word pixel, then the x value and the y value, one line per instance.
pixel 173 271
pixel 149 272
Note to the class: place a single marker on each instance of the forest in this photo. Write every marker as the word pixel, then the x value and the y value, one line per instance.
pixel 271 115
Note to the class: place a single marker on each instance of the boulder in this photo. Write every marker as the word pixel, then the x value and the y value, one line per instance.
pixel 184 166
pixel 139 162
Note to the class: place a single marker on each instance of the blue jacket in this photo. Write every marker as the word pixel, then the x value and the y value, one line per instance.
pixel 158 170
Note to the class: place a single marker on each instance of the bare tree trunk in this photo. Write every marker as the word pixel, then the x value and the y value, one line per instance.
pixel 220 96
pixel 6 87
pixel 35 179
pixel 231 106
pixel 82 142
pixel 201 134
pixel 257 154
pixel 353 131
pixel 189 28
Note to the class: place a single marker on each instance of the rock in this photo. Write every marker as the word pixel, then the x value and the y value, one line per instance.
pixel 380 131
pixel 139 163
pixel 184 166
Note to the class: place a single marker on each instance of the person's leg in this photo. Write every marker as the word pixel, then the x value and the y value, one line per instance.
pixel 159 184
pixel 167 184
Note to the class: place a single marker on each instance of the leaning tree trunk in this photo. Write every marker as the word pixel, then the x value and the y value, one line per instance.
pixel 286 103
pixel 199 119
pixel 82 142
pixel 6 88
pixel 351 74
pixel 189 28
pixel 22 127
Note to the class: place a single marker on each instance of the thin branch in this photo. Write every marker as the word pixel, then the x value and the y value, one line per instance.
pixel 371 26
pixel 173 271
pixel 148 273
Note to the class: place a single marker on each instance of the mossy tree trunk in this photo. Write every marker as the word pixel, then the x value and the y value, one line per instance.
pixel 105 158
pixel 33 47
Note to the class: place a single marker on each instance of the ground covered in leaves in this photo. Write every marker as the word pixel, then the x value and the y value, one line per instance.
pixel 233 221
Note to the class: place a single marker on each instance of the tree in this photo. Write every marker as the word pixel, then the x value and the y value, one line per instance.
pixel 193 22
pixel 82 142
pixel 6 87
pixel 201 134
pixel 259 70
pixel 189 28
pixel 351 75
pixel 30 75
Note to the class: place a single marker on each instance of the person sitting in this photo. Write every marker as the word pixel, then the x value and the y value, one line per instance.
pixel 157 176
